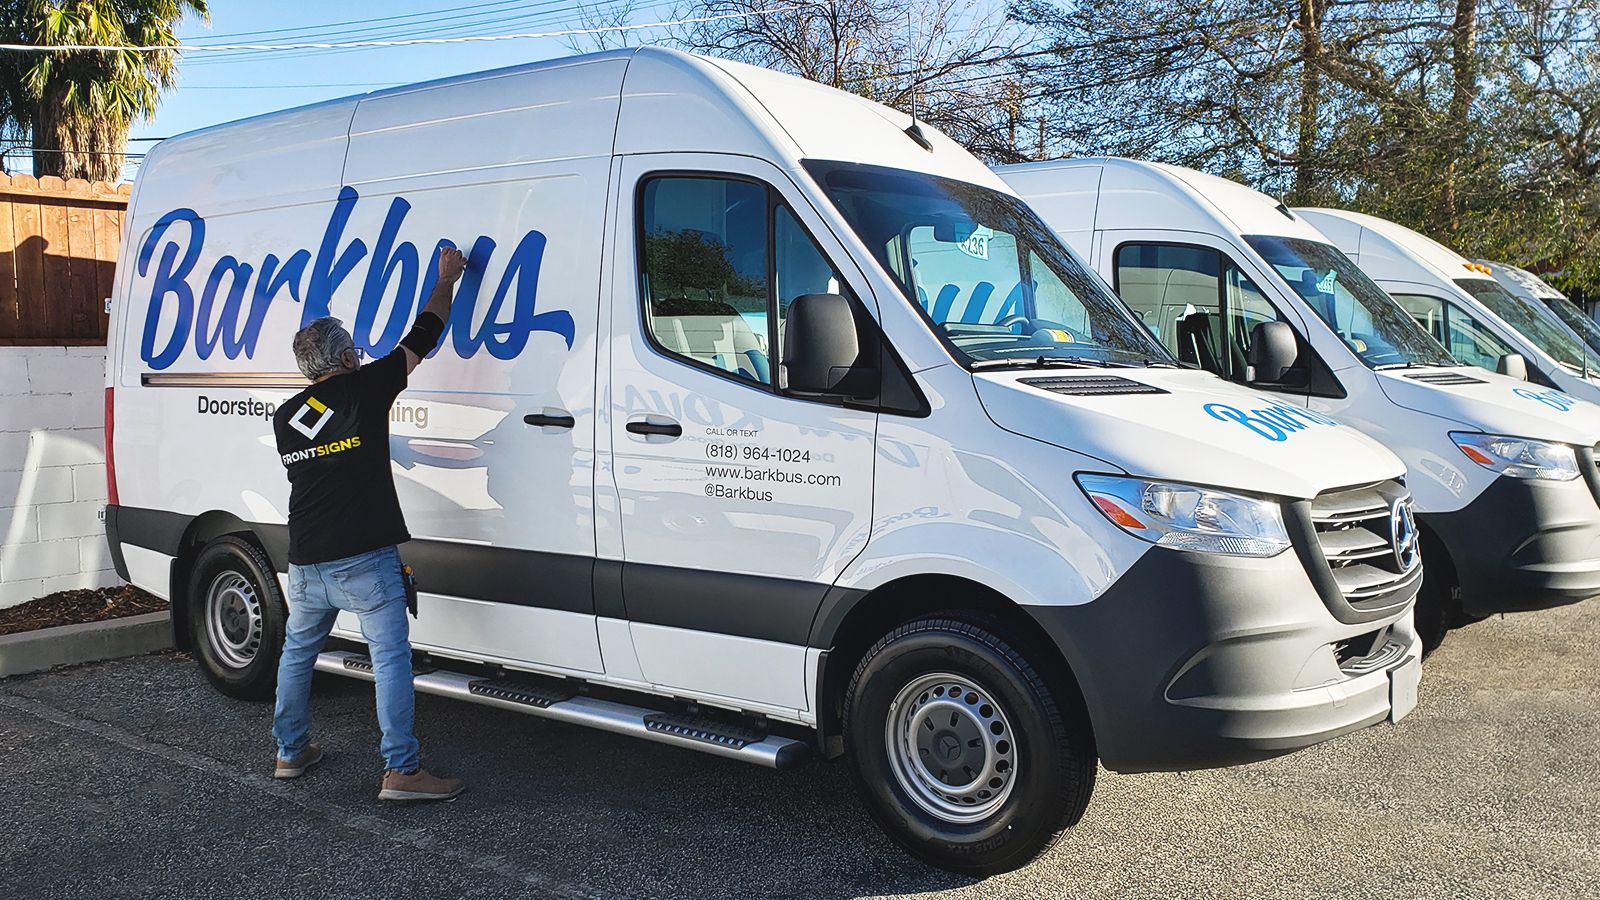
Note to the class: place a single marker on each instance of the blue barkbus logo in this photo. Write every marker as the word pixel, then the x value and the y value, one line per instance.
pixel 237 295
pixel 1275 421
pixel 1553 399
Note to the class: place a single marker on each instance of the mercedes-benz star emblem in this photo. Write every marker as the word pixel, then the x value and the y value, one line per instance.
pixel 1403 528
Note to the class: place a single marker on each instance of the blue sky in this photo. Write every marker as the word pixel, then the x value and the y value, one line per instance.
pixel 220 87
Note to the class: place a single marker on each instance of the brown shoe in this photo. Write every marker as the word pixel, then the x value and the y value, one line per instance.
pixel 419 785
pixel 294 768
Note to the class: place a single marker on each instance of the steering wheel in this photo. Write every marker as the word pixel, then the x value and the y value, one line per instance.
pixel 1015 319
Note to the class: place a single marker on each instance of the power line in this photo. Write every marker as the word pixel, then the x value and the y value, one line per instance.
pixel 409 42
pixel 424 16
pixel 531 16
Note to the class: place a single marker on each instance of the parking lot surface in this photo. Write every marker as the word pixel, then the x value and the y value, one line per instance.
pixel 134 778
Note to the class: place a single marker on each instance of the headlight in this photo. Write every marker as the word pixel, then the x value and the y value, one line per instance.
pixel 1519 457
pixel 1186 517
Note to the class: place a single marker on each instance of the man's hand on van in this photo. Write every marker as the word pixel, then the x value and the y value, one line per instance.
pixel 452 263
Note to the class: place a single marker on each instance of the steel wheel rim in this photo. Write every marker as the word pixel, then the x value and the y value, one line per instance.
pixel 951 747
pixel 233 619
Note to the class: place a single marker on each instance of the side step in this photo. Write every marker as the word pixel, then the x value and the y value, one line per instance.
pixel 701 733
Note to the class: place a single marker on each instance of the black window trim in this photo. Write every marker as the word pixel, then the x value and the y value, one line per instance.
pixel 889 358
pixel 1225 259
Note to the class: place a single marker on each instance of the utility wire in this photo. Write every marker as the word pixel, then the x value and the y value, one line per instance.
pixel 409 42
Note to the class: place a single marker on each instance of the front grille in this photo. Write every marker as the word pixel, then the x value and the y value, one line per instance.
pixel 1091 385
pixel 1355 530
pixel 1445 378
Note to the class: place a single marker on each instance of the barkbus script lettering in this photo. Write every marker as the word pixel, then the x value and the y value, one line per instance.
pixel 1275 421
pixel 221 316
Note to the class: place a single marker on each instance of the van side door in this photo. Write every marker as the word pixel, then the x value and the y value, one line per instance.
pixel 740 502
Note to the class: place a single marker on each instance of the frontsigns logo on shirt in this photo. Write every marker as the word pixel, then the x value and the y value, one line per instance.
pixel 310 429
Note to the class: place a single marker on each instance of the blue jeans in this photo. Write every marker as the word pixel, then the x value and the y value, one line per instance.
pixel 368 585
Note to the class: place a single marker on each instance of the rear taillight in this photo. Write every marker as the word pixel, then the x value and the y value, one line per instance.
pixel 111 458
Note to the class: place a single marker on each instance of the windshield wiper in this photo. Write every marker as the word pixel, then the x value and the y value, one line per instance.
pixel 1042 362
pixel 1408 364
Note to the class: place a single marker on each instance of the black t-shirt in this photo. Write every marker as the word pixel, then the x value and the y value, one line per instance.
pixel 333 438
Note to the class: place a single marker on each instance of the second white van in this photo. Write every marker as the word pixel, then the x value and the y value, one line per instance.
pixel 1234 282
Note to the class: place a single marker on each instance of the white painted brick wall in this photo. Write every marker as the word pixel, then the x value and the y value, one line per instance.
pixel 52 471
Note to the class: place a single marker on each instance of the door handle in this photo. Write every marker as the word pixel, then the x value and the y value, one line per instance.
pixel 545 420
pixel 670 429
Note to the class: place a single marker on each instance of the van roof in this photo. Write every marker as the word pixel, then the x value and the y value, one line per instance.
pixel 638 100
pixel 1388 251
pixel 1170 196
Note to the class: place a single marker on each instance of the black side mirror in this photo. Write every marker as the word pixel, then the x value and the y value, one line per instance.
pixel 1514 365
pixel 1273 351
pixel 821 346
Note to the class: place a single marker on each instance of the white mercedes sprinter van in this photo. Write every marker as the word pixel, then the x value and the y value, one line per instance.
pixel 1232 281
pixel 1536 292
pixel 1438 285
pixel 765 419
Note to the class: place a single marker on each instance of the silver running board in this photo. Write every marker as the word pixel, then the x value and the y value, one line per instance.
pixel 771 751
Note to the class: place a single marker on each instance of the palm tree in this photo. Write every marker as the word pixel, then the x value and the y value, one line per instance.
pixel 78 105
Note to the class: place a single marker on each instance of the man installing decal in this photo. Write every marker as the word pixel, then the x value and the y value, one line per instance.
pixel 344 525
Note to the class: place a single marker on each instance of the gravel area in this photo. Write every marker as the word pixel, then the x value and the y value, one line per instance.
pixel 134 779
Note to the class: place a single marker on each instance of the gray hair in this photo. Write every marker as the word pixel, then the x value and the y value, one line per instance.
pixel 318 346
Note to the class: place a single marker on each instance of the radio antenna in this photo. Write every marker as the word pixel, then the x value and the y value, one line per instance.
pixel 914 131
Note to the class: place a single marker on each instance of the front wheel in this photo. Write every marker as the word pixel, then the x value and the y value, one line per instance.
pixel 965 755
pixel 236 618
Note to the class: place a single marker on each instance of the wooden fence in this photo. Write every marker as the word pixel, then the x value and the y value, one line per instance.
pixel 58 257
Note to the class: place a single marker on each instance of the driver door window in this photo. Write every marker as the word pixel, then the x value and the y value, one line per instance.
pixel 1466 337
pixel 722 262
pixel 1196 300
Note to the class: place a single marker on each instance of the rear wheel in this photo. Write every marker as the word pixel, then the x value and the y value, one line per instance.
pixel 236 618
pixel 964 753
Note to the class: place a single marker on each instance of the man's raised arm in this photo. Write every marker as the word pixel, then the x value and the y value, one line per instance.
pixel 429 327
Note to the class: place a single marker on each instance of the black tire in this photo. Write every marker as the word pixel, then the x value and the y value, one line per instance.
pixel 238 652
pixel 1437 608
pixel 1432 612
pixel 1054 769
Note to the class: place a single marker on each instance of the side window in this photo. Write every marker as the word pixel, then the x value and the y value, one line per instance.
pixel 1471 341
pixel 1427 311
pixel 1196 301
pixel 705 272
pixel 722 261
pixel 1467 338
pixel 1174 290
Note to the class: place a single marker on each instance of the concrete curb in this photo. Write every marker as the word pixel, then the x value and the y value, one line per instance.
pixel 69 645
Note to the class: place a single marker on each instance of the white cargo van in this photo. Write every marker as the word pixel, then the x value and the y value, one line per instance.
pixel 1234 282
pixel 1460 302
pixel 1536 292
pixel 765 419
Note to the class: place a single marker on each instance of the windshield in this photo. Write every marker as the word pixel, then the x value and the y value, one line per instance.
pixel 1573 317
pixel 994 281
pixel 1548 336
pixel 1359 312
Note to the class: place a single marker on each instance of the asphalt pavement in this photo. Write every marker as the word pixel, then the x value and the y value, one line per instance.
pixel 135 779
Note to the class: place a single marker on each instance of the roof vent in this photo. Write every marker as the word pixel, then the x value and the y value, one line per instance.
pixel 1445 378
pixel 1091 385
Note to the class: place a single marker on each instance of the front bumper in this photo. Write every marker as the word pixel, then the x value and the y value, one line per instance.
pixel 1523 544
pixel 1194 661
